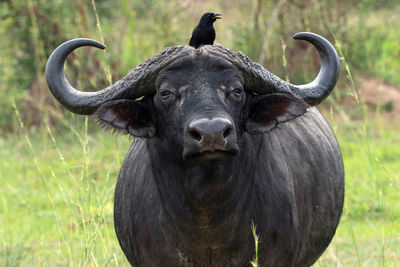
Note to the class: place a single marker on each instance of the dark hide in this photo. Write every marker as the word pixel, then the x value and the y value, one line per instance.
pixel 180 202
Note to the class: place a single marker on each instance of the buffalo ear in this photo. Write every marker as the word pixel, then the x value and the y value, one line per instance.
pixel 270 110
pixel 134 117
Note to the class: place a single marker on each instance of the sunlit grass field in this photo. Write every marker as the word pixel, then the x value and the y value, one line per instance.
pixel 57 198
pixel 57 186
pixel 369 231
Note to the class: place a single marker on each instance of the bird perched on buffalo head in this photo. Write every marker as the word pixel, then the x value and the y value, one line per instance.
pixel 204 33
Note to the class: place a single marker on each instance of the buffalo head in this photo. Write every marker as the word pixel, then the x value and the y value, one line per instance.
pixel 197 102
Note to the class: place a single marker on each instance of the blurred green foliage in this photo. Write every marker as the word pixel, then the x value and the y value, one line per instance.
pixel 373 46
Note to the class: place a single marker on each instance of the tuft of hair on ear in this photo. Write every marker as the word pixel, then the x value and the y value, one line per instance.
pixel 108 122
pixel 127 116
pixel 109 128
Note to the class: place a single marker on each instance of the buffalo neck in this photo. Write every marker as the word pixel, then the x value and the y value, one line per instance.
pixel 204 197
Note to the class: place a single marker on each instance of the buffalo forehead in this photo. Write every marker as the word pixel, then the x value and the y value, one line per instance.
pixel 196 61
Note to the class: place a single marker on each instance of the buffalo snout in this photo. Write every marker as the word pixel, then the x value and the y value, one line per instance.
pixel 211 137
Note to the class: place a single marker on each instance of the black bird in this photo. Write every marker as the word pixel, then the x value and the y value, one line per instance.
pixel 204 33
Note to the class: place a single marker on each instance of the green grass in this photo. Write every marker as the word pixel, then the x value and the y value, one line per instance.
pixel 369 231
pixel 56 197
pixel 254 262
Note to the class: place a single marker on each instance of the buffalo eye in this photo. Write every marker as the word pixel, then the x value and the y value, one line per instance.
pixel 237 92
pixel 166 94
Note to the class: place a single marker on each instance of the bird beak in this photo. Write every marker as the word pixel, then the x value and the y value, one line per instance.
pixel 217 16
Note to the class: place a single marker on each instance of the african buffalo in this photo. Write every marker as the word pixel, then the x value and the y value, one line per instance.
pixel 222 143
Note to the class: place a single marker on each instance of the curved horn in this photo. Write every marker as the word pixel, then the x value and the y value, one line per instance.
pixel 136 84
pixel 261 81
pixel 316 91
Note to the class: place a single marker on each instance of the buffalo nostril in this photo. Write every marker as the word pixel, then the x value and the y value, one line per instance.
pixel 195 134
pixel 227 132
